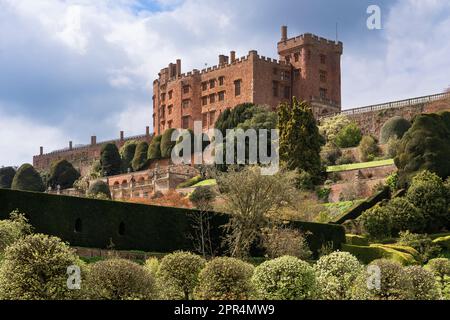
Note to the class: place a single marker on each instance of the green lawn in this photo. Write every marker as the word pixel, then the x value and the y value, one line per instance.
pixel 341 207
pixel 208 182
pixel 363 165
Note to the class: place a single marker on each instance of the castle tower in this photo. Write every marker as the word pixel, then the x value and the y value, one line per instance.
pixel 316 70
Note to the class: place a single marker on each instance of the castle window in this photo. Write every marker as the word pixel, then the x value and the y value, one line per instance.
pixel 296 57
pixel 204 86
pixel 221 81
pixel 204 120
pixel 185 103
pixel 221 95
pixel 163 96
pixel 204 101
pixel 284 75
pixel 212 98
pixel 169 109
pixel 212 83
pixel 287 92
pixel 170 94
pixel 323 76
pixel 323 93
pixel 275 88
pixel 185 122
pixel 296 74
pixel 186 89
pixel 162 111
pixel 323 59
pixel 212 117
pixel 237 87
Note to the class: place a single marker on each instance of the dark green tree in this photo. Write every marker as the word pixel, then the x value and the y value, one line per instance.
pixel 154 149
pixel 63 174
pixel 230 118
pixel 166 143
pixel 395 127
pixel 27 179
pixel 426 146
pixel 349 136
pixel 140 159
pixel 110 160
pixel 300 141
pixel 127 154
pixel 6 177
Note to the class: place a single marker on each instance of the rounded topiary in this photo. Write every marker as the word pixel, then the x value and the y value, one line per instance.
pixel 6 177
pixel 336 274
pixel 140 157
pixel 27 179
pixel 284 278
pixel 404 215
pixel 178 273
pixel 119 279
pixel 63 174
pixel 376 222
pixel 225 278
pixel 110 160
pixel 99 189
pixel 35 268
pixel 127 154
pixel 395 127
pixel 424 286
pixel 166 143
pixel 154 149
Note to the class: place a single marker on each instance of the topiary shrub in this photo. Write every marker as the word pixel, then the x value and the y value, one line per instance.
pixel 35 268
pixel 6 177
pixel 336 274
pixel 99 190
pixel 13 229
pixel 404 216
pixel 178 274
pixel 395 127
pixel 27 179
pixel 166 143
pixel 440 267
pixel 282 241
pixel 420 242
pixel 428 193
pixel 63 174
pixel 225 279
pixel 154 149
pixel 368 148
pixel 119 279
pixel 140 157
pixel 443 242
pixel 349 136
pixel 127 154
pixel 110 160
pixel 377 222
pixel 424 285
pixel 285 278
pixel 367 254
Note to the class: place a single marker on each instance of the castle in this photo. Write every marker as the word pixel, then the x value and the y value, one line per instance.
pixel 309 68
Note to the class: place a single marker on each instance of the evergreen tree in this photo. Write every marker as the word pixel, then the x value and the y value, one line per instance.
pixel 27 179
pixel 154 149
pixel 300 141
pixel 63 174
pixel 127 154
pixel 140 159
pixel 6 177
pixel 110 160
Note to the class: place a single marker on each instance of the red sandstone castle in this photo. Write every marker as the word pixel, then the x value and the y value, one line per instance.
pixel 309 68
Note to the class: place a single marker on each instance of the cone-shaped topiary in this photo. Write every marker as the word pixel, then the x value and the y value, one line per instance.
pixel 63 174
pixel 394 127
pixel 154 149
pixel 166 143
pixel 6 177
pixel 27 179
pixel 140 157
pixel 110 160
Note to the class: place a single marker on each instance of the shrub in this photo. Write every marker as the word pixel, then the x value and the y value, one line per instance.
pixel 119 279
pixel 99 189
pixel 202 197
pixel 404 215
pixel 35 268
pixel 336 274
pixel 367 254
pixel 127 154
pixel 368 148
pixel 392 181
pixel 377 222
pixel 393 145
pixel 285 242
pixel 27 179
pixel 6 177
pixel 166 143
pixel 346 158
pixel 349 136
pixel 225 279
pixel 331 126
pixel 284 278
pixel 231 118
pixel 330 153
pixel 190 182
pixel 63 174
pixel 356 240
pixel 440 267
pixel 110 160
pixel 421 242
pixel 179 271
pixel 140 157
pixel 443 242
pixel 428 193
pixel 424 285
pixel 154 149
pixel 152 266
pixel 13 229
pixel 395 127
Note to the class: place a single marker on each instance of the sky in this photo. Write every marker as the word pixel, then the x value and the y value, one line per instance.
pixel 70 69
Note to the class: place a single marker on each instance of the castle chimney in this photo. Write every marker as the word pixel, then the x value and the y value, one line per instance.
pixel 253 53
pixel 178 71
pixel 284 33
pixel 223 59
pixel 41 151
pixel 70 145
pixel 93 140
pixel 121 136
pixel 171 75
pixel 147 131
pixel 232 56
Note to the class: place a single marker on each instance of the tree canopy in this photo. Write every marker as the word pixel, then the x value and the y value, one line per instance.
pixel 110 160
pixel 63 174
pixel 27 179
pixel 6 177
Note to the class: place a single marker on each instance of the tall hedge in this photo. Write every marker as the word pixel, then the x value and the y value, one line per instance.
pixel 110 160
pixel 394 127
pixel 63 174
pixel 154 149
pixel 140 157
pixel 27 179
pixel 166 143
pixel 127 154
pixel 6 177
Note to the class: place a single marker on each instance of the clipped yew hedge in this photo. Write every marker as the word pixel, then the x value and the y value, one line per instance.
pixel 98 223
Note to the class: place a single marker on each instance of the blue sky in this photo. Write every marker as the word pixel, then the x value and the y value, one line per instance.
pixel 75 68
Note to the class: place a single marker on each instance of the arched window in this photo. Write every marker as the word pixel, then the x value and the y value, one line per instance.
pixel 78 226
pixel 122 229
